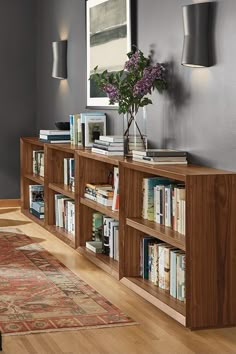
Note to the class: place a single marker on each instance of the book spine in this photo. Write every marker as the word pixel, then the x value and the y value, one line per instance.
pixel 173 274
pixel 161 280
pixel 167 268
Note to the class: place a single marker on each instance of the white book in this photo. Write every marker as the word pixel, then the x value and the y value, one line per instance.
pixel 107 153
pixel 115 201
pixel 112 138
pixel 94 246
pixel 54 132
pixel 111 226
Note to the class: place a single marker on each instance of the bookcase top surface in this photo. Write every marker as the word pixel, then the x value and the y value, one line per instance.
pixel 114 160
pixel 180 172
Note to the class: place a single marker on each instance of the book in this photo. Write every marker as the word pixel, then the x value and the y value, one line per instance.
pixel 146 241
pixel 54 137
pixel 160 162
pixel 173 273
pixel 180 277
pixel 160 153
pixel 109 148
pixel 54 132
pixel 55 141
pixel 107 153
pixel 108 143
pixel 38 206
pixel 112 138
pixel 97 225
pixel 37 214
pixel 115 202
pixel 94 246
pixel 36 194
pixel 93 125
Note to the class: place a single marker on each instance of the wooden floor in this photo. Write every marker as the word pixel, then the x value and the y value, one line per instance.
pixel 155 333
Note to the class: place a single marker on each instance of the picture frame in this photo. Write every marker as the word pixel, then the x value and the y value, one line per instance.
pixel 111 33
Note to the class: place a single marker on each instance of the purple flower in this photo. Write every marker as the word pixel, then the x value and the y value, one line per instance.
pixel 133 62
pixel 111 91
pixel 150 74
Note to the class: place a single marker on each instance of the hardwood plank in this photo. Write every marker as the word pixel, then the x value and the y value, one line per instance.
pixel 62 188
pixel 37 179
pixel 157 297
pixel 161 232
pixel 33 141
pixel 104 262
pixel 101 208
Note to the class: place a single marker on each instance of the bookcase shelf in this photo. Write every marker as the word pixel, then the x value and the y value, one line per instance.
pixel 62 234
pixel 209 244
pixel 62 188
pixel 27 213
pixel 158 297
pixel 99 207
pixel 106 263
pixel 35 178
pixel 161 232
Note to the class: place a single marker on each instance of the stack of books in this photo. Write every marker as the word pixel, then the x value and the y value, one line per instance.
pixel 100 193
pixel 163 265
pixel 160 156
pixel 109 145
pixel 36 200
pixel 54 136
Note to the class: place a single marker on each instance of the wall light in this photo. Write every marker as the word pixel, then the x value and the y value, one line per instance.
pixel 196 35
pixel 59 69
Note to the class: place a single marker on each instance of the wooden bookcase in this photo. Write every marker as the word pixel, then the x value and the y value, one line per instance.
pixel 210 241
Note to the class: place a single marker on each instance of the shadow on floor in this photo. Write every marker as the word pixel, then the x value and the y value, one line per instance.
pixel 8 210
pixel 9 222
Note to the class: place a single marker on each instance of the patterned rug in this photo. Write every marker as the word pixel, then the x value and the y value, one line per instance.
pixel 39 294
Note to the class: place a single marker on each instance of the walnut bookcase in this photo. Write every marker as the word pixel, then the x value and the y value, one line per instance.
pixel 210 241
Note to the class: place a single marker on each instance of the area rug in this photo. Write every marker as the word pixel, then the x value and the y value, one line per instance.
pixel 40 294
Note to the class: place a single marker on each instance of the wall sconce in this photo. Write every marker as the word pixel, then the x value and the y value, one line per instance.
pixel 196 35
pixel 59 69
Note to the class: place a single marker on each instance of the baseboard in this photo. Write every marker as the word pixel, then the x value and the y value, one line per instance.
pixel 9 203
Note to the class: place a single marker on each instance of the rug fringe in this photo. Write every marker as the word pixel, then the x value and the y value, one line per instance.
pixel 70 329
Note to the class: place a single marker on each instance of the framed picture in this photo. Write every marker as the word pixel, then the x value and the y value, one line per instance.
pixel 111 32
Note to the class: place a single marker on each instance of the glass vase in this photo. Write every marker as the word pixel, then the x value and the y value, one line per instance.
pixel 135 130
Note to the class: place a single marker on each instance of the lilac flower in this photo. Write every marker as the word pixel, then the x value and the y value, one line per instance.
pixel 150 74
pixel 133 62
pixel 111 91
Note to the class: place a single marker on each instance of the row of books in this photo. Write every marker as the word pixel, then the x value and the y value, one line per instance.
pixel 105 193
pixel 163 265
pixel 65 214
pixel 38 162
pixel 69 173
pixel 86 127
pixel 160 156
pixel 54 136
pixel 36 200
pixel 164 202
pixel 105 236
pixel 109 145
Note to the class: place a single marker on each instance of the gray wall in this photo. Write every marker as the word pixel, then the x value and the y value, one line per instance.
pixel 197 114
pixel 17 88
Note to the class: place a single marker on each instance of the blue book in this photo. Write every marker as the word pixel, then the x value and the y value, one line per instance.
pixel 146 241
pixel 37 214
pixel 55 137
